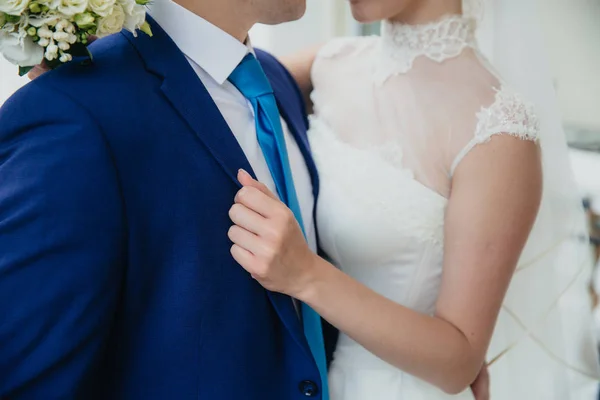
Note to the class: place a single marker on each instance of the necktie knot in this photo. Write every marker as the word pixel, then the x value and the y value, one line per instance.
pixel 250 79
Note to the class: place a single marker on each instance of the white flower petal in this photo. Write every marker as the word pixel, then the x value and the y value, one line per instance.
pixel 113 23
pixel 20 51
pixel 13 7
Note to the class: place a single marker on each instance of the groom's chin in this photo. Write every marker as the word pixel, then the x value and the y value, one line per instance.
pixel 285 11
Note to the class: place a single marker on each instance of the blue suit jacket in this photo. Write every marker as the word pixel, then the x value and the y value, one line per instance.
pixel 116 280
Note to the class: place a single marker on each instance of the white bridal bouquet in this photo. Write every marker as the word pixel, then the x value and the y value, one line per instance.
pixel 54 31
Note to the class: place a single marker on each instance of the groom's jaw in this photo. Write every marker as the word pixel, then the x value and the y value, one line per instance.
pixel 273 12
pixel 235 17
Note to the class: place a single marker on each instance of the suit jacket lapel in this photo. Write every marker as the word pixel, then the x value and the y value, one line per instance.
pixel 184 90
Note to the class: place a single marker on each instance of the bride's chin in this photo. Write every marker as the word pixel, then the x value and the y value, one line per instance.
pixel 362 11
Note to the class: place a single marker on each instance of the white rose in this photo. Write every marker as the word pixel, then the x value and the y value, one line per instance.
pixel 20 50
pixel 135 19
pixel 128 6
pixel 101 7
pixel 70 7
pixel 112 23
pixel 13 7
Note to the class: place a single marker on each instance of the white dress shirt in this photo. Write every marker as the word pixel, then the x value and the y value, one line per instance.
pixel 214 54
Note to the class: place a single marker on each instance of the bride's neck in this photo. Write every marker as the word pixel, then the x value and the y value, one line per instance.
pixel 424 11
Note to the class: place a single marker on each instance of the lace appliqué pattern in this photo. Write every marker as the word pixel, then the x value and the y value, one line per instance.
pixel 438 41
pixel 508 115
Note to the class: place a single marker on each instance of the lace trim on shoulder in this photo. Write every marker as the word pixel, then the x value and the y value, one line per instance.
pixel 510 114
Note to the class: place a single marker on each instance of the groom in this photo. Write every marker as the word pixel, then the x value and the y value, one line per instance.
pixel 116 279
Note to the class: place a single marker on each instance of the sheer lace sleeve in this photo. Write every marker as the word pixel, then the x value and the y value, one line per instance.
pixel 508 115
pixel 327 59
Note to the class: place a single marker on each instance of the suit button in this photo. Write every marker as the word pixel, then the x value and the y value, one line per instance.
pixel 309 388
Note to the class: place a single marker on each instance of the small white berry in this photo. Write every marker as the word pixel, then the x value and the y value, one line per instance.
pixel 44 32
pixel 52 51
pixel 65 57
pixel 61 36
pixel 64 46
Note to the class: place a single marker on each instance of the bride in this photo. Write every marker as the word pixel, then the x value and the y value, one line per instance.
pixel 438 210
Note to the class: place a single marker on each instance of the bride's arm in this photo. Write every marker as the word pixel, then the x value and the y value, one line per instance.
pixel 495 197
pixel 300 65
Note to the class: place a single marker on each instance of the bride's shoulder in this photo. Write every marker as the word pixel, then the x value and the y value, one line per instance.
pixel 504 112
pixel 499 108
pixel 341 55
pixel 346 46
pixel 508 113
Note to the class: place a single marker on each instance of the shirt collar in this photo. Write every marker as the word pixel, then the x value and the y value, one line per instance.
pixel 214 50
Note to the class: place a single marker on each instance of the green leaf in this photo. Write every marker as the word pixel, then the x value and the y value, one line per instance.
pixel 13 18
pixel 24 70
pixel 146 28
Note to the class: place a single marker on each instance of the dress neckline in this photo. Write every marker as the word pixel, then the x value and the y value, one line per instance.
pixel 445 38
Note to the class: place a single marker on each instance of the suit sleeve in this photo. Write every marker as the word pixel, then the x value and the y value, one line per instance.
pixel 61 246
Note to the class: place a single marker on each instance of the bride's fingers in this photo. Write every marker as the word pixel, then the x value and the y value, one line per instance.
pixel 243 257
pixel 257 201
pixel 245 239
pixel 246 180
pixel 247 218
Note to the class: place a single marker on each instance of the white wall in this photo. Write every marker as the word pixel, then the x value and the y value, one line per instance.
pixel 9 79
pixel 572 30
pixel 323 20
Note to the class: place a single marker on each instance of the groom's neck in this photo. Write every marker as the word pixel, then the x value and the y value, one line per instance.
pixel 231 16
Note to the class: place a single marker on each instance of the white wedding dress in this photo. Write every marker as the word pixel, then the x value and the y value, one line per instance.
pixel 394 116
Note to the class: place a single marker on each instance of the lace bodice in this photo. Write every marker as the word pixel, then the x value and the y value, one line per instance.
pixel 424 94
pixel 394 117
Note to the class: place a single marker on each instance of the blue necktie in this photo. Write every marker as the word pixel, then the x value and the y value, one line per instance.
pixel 250 79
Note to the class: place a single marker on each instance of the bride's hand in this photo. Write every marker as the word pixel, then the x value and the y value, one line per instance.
pixel 267 240
pixel 481 386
